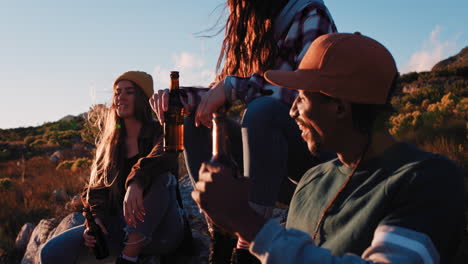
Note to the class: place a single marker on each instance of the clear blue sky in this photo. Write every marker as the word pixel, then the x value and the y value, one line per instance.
pixel 58 57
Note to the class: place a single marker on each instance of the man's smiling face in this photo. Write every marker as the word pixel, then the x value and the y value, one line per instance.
pixel 313 114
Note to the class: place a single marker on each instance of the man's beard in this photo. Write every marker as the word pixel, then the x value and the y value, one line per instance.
pixel 313 140
pixel 315 144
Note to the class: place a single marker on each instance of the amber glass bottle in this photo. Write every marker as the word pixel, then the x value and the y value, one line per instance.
pixel 222 153
pixel 174 118
pixel 100 249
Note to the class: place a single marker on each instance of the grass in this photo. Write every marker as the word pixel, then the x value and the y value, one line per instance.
pixel 31 200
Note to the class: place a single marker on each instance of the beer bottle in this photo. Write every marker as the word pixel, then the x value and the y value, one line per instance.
pixel 100 249
pixel 222 152
pixel 174 118
pixel 222 242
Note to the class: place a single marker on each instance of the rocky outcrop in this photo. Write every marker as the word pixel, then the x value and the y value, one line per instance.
pixel 458 61
pixel 23 236
pixel 56 156
pixel 197 221
pixel 49 228
pixel 72 220
pixel 60 195
pixel 38 238
pixel 45 230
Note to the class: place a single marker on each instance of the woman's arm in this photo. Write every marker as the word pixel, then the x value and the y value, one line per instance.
pixel 307 25
pixel 146 171
pixel 154 164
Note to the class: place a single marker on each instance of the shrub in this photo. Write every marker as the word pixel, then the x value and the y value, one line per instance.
pixel 30 139
pixel 5 154
pixel 62 138
pixel 409 77
pixel 93 123
pixel 6 183
pixel 67 164
pixel 64 125
pixel 82 163
pixel 446 147
pixel 38 143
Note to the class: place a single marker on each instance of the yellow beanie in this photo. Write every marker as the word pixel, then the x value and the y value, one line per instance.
pixel 142 79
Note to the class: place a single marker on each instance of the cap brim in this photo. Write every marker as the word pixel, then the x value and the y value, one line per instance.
pixel 309 80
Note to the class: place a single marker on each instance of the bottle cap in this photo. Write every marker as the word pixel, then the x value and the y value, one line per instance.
pixel 174 74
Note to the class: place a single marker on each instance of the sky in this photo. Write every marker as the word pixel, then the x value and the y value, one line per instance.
pixel 60 57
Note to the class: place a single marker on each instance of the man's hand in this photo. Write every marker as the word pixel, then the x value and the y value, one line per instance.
pixel 133 207
pixel 210 102
pixel 159 102
pixel 224 199
pixel 90 241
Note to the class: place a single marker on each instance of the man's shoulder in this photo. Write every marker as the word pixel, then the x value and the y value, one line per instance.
pixel 417 167
pixel 410 157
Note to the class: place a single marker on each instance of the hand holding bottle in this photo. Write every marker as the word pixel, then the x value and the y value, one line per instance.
pixel 90 240
pixel 159 102
pixel 94 235
pixel 209 100
pixel 224 200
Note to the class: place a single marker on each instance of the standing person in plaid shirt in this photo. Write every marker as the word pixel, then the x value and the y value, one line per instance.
pixel 259 35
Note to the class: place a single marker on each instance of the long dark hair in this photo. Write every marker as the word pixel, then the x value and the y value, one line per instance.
pixel 249 45
pixel 110 142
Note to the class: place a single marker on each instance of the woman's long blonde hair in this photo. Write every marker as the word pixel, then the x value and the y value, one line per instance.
pixel 110 147
pixel 249 45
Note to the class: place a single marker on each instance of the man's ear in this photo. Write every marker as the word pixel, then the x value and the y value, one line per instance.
pixel 343 109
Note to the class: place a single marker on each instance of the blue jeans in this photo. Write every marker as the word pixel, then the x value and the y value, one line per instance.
pixel 268 144
pixel 162 229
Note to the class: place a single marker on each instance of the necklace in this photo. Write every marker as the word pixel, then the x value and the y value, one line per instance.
pixel 348 179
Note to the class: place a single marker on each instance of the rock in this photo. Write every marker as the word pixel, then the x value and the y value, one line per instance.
pixel 39 236
pixel 196 220
pixel 47 229
pixel 71 220
pixel 75 204
pixel 23 236
pixel 60 195
pixel 56 156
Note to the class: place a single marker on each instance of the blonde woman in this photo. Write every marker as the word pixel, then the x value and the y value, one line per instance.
pixel 132 188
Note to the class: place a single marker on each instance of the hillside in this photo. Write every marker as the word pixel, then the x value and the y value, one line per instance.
pixel 432 108
pixel 37 163
pixel 458 61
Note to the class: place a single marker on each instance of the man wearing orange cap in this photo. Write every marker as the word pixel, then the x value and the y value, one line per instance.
pixel 380 201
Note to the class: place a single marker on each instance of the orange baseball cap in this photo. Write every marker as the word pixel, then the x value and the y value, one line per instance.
pixel 351 67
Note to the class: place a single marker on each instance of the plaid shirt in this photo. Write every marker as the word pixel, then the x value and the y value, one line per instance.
pixel 307 25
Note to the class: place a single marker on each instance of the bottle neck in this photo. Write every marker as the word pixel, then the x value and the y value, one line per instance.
pixel 174 84
pixel 89 216
pixel 220 136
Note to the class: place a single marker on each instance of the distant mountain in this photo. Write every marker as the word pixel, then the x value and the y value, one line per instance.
pixel 67 118
pixel 453 70
pixel 458 61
